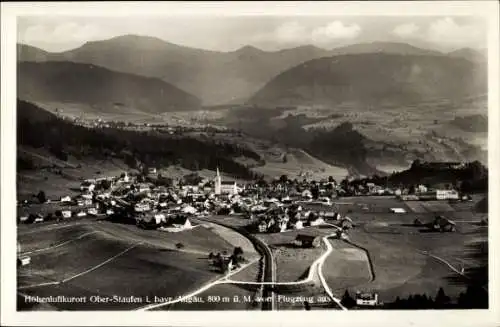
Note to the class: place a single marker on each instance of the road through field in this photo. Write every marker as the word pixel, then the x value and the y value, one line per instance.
pixel 271 276
pixel 449 265
pixel 316 267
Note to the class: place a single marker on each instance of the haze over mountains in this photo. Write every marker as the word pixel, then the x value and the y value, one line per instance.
pixel 224 77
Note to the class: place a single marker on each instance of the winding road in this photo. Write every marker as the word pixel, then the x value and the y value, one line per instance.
pixel 269 278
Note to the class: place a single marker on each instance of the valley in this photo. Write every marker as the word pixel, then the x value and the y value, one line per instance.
pixel 154 176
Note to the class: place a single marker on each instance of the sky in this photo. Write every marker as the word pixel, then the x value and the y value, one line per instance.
pixel 270 33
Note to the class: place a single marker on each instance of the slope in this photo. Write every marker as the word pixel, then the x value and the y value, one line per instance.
pixel 68 82
pixel 374 79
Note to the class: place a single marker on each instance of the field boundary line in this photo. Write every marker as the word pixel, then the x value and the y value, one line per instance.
pixel 60 244
pixel 38 285
pixel 50 227
pixel 101 264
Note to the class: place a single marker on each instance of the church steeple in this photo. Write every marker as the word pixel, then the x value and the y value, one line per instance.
pixel 218 182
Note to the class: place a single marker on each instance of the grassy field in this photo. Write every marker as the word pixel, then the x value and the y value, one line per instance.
pixel 399 266
pixel 232 237
pixel 346 267
pixel 298 161
pixel 116 260
pixel 233 221
pixel 73 172
pixel 249 274
pixel 31 240
pixel 220 297
pixel 292 262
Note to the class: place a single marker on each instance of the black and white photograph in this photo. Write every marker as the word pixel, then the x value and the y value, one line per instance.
pixel 284 161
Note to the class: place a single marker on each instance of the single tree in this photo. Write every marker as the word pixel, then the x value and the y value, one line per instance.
pixel 41 197
pixel 347 300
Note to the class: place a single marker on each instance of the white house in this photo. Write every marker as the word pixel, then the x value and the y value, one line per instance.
pixel 317 221
pixel 92 211
pixel 366 299
pixel 24 261
pixel 307 194
pixel 189 210
pixel 87 186
pixel 421 189
pixel 66 213
pixel 66 198
pixel 159 218
pixel 447 195
pixel 87 196
pixel 299 224
pixel 142 207
pixel 398 210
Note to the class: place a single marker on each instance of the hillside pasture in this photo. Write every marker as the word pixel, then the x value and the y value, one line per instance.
pixel 403 259
pixel 116 259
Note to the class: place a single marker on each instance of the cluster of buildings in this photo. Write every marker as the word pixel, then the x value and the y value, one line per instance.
pixel 271 207
pixel 275 206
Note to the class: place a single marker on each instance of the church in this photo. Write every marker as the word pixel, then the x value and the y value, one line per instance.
pixel 225 187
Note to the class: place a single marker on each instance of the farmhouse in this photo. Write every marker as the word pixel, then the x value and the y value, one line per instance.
pixel 398 210
pixel 316 220
pixel 23 261
pixel 66 198
pixel 443 224
pixel 421 189
pixel 366 299
pixel 177 223
pixel 308 241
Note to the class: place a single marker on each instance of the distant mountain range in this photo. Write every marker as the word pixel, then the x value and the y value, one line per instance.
pixel 110 91
pixel 469 54
pixel 214 77
pixel 374 79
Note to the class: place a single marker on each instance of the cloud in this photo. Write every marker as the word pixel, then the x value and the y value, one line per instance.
pixel 446 30
pixel 296 33
pixel 335 30
pixel 406 30
pixel 63 33
pixel 290 32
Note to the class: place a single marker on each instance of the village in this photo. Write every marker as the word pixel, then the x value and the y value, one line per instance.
pixel 282 204
pixel 153 202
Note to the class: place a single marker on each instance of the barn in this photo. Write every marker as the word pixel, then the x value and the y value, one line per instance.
pixel 308 241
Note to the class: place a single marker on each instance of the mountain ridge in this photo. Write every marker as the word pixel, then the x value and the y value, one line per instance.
pixel 213 76
pixel 373 78
pixel 68 82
